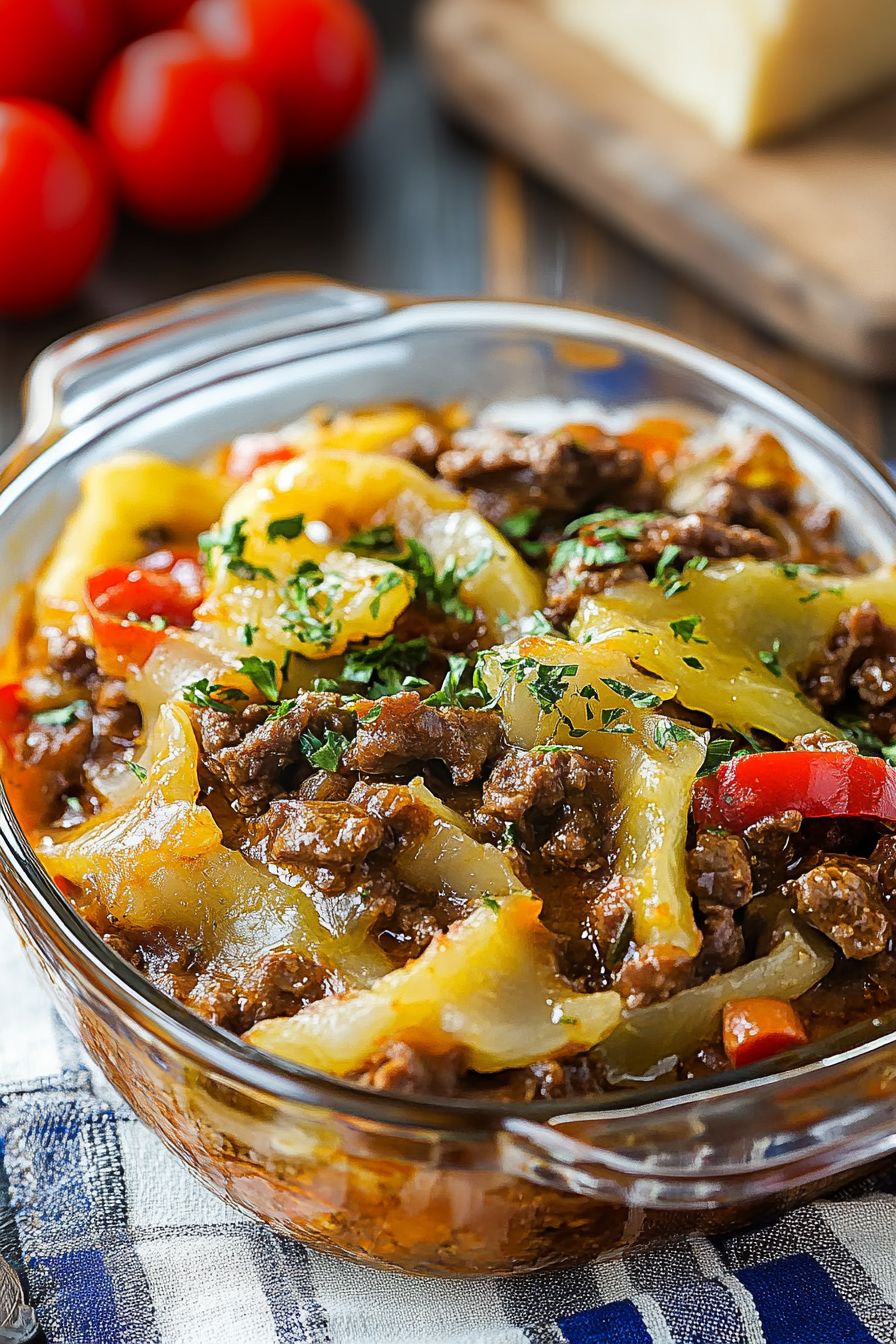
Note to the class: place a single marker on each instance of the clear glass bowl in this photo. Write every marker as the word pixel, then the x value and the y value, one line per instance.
pixel 427 1186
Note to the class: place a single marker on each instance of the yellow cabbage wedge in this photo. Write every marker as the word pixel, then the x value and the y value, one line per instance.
pixel 759 626
pixel 159 860
pixel 339 493
pixel 489 986
pixel 121 499
pixel 650 1041
pixel 372 430
pixel 618 722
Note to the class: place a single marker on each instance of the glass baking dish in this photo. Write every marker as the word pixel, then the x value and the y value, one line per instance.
pixel 427 1186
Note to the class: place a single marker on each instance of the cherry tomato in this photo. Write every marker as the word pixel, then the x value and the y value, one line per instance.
pixel 248 452
pixel 318 58
pixel 131 606
pixel 192 141
pixel 55 206
pixel 54 49
pixel 149 16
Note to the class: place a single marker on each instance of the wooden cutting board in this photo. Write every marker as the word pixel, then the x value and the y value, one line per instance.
pixel 801 236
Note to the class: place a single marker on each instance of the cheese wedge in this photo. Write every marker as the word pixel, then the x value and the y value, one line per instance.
pixel 748 69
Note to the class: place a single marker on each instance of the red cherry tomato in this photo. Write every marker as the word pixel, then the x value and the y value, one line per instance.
pixel 55 206
pixel 192 141
pixel 318 59
pixel 248 452
pixel 54 49
pixel 149 16
pixel 132 606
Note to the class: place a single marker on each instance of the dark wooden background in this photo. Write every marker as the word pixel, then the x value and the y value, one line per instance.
pixel 415 203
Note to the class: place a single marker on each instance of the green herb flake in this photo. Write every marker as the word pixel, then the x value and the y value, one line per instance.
pixel 449 693
pixel 377 539
pixel 262 672
pixel 549 747
pixel 770 658
pixel 718 750
pixel 509 836
pixel 138 770
pixel 791 571
pixel 384 585
pixel 324 754
pixel 666 733
pixel 695 663
pixel 286 529
pixel 620 944
pixel 207 696
pixel 63 716
pixel 685 629
pixel 519 525
pixel 489 902
pixel 372 714
pixel 640 699
pixel 550 684
pixel 248 633
pixel 810 597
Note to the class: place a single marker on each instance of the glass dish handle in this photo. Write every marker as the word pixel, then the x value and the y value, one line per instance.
pixel 148 354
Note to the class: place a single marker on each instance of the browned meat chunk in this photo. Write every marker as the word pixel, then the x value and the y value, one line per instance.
pixel 325 787
pixel 280 984
pixel 859 653
pixel 335 834
pixel 723 944
pixel 399 1067
pixel 565 471
pixel 559 801
pixel 651 974
pixel 843 901
pixel 694 535
pixel 719 871
pixel 407 730
pixel 774 849
pixel 822 741
pixel 422 446
pixel 255 754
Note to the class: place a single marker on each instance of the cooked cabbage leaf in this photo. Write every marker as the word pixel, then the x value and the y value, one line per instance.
pixel 488 986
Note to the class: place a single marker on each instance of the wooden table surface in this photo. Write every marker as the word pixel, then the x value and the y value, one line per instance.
pixel 415 203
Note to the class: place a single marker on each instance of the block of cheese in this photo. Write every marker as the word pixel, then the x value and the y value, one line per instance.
pixel 748 69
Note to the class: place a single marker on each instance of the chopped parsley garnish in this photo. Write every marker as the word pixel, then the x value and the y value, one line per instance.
pixel 666 732
pixel 770 658
pixel 610 716
pixel 231 541
pixel 157 623
pixel 442 590
pixel 519 525
pixel 489 902
pixel 324 684
pixel 449 693
pixel 372 714
pixel 384 585
pixel 718 750
pixel 376 539
pixel 619 946
pixel 551 684
pixel 537 624
pixel 603 542
pixel 550 747
pixel 685 629
pixel 248 633
pixel 388 667
pixel 262 672
pixel 286 529
pixel 640 699
pixel 308 612
pixel 63 716
pixel 669 578
pixel 695 663
pixel 791 571
pixel 138 770
pixel 869 744
pixel 281 710
pixel 810 597
pixel 326 754
pixel 509 836
pixel 207 696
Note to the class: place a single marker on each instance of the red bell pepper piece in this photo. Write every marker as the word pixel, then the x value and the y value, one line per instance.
pixel 756 1029
pixel 814 783
pixel 132 605
pixel 251 451
pixel 13 713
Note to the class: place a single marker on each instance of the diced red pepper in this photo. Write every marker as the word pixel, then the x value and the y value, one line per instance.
pixel 814 783
pixel 251 451
pixel 756 1029
pixel 131 606
pixel 13 712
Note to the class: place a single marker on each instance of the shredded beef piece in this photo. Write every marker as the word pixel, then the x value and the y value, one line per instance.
pixel 841 898
pixel 279 985
pixel 409 932
pixel 758 480
pixel 822 741
pixel 707 1060
pixel 393 804
pixel 325 787
pixel 71 659
pixel 565 471
pixel 774 852
pixel 560 801
pixel 884 857
pixel 694 535
pixel 254 754
pixel 651 974
pixel 545 1080
pixel 335 834
pixel 723 944
pixel 719 871
pixel 583 918
pixel 422 446
pixel 859 653
pixel 48 765
pixel 399 1067
pixel 407 730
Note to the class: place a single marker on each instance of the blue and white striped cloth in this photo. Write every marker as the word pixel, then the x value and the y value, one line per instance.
pixel 117 1244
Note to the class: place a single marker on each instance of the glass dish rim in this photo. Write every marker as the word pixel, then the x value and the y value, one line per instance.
pixel 211 1047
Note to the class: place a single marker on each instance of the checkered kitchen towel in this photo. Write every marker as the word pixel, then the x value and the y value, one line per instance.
pixel 117 1244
